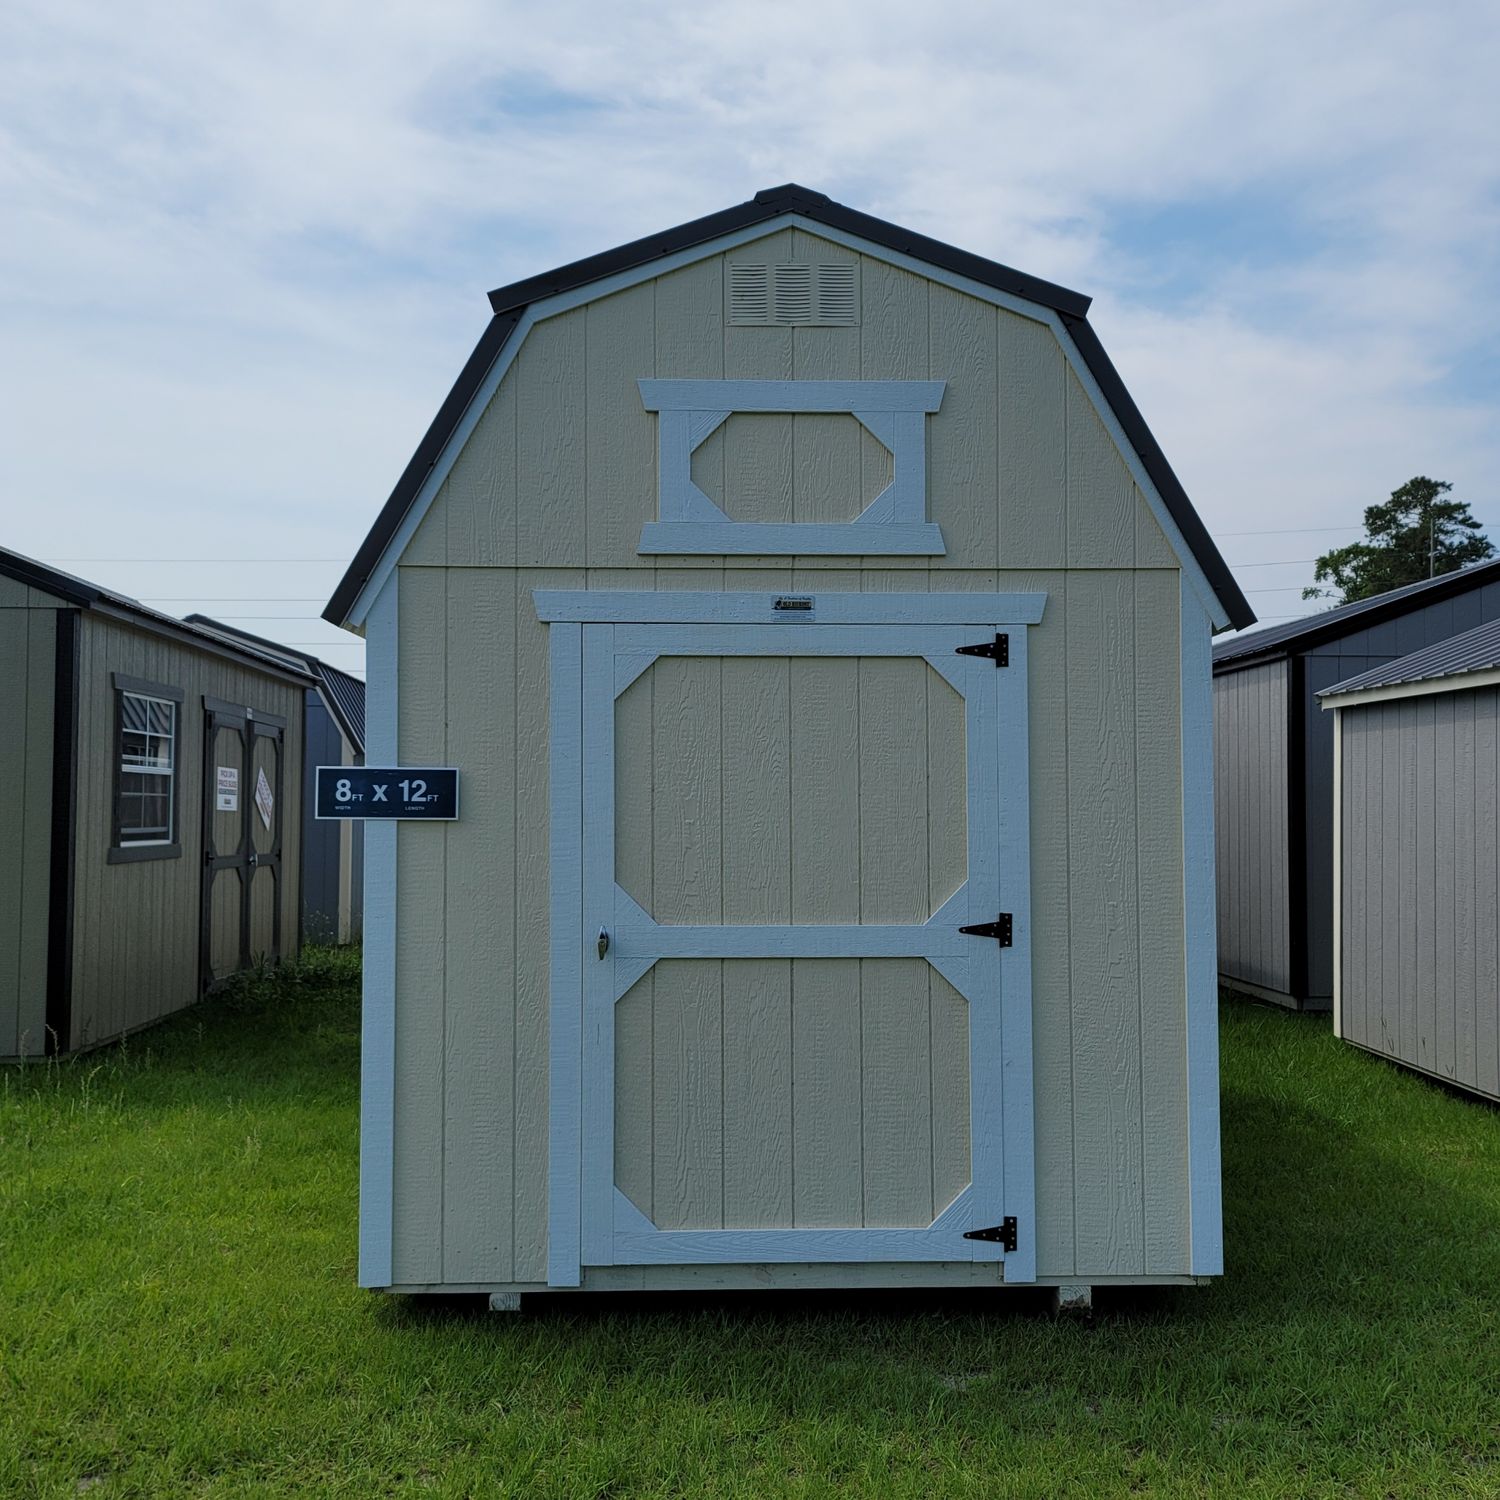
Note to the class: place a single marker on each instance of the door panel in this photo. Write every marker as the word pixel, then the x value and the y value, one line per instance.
pixel 712 1130
pixel 265 841
pixel 790 1052
pixel 226 863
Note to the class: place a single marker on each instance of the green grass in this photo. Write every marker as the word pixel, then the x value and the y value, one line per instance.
pixel 178 1313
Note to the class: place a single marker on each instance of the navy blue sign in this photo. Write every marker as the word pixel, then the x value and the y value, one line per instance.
pixel 426 792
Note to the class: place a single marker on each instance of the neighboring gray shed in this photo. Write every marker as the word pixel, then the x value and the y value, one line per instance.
pixel 1273 772
pixel 753 578
pixel 333 874
pixel 151 777
pixel 1417 852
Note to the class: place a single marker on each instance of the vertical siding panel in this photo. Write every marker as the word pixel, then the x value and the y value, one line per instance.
pixel 417 1228
pixel 1439 883
pixel 551 454
pixel 688 862
pixel 1377 823
pixel 825 880
pixel 619 433
pixel 1390 888
pixel 893 346
pixel 962 436
pixel 1486 822
pixel 17 685
pixel 1106 967
pixel 1163 962
pixel 755 813
pixel 1101 493
pixel 480 938
pixel 1351 862
pixel 36 830
pixel 1032 381
pixel 896 1036
pixel 1410 813
pixel 532 918
pixel 1465 916
pixel 478 500
pixel 1420 858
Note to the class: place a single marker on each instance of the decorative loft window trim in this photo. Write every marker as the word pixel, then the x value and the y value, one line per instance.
pixel 895 412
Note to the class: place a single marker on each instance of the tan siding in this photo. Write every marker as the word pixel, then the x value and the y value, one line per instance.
pixel 136 926
pixel 1037 489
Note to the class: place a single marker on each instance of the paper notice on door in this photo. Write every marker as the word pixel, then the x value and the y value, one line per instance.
pixel 227 797
pixel 265 803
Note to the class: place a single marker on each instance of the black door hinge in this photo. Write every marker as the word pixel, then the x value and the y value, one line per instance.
pixel 1002 1234
pixel 999 929
pixel 998 650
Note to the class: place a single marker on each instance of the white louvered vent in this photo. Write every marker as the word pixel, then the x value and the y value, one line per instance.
pixel 793 294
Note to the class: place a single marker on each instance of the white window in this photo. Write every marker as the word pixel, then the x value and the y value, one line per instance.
pixel 145 800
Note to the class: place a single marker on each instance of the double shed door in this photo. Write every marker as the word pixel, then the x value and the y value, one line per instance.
pixel 242 842
pixel 771 1040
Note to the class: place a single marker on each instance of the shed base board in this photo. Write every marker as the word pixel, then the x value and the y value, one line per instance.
pixel 1401 1062
pixel 1317 1003
pixel 934 1277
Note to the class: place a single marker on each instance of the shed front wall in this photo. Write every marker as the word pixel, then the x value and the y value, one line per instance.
pixel 136 925
pixel 1419 800
pixel 1250 824
pixel 551 491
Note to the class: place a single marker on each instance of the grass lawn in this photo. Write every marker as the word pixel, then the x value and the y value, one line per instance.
pixel 178 1312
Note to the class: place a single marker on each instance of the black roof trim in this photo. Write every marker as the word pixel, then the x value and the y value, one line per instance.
pixel 508 303
pixel 86 595
pixel 1311 631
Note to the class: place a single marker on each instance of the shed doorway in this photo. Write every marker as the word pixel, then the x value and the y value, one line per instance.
pixel 790 1052
pixel 243 809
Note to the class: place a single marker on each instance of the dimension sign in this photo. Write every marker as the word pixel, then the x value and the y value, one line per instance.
pixel 426 792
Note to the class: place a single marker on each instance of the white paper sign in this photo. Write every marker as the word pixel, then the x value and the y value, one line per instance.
pixel 228 798
pixel 264 802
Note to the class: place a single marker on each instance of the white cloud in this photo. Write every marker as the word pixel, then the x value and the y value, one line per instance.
pixel 245 249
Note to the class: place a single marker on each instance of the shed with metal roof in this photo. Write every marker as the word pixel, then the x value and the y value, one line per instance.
pixel 1273 772
pixel 823 642
pixel 1417 859
pixel 151 776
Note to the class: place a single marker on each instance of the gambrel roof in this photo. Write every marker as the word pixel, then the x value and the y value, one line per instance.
pixel 510 303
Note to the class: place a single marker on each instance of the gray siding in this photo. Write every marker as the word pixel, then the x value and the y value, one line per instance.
pixel 322 843
pixel 28 643
pixel 1419 916
pixel 137 925
pixel 1250 818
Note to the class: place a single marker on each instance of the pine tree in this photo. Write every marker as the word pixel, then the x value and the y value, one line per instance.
pixel 1418 533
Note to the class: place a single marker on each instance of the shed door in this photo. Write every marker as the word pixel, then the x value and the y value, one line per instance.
pixel 242 842
pixel 789 1050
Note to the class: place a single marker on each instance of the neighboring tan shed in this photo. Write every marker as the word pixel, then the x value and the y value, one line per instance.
pixel 793 594
pixel 1273 772
pixel 1417 857
pixel 333 853
pixel 129 890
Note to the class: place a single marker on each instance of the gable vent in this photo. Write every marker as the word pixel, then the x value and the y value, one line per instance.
pixel 793 294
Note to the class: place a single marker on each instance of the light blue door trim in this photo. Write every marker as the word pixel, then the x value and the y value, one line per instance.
pixel 690 607
pixel 590 1223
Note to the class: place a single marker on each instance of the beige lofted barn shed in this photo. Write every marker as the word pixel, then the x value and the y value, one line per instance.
pixel 823 643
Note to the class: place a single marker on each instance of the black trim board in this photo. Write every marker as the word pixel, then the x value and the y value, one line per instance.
pixel 59 1003
pixel 508 303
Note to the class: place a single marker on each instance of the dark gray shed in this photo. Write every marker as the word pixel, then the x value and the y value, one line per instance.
pixel 1417 859
pixel 1273 772
pixel 151 781
pixel 332 852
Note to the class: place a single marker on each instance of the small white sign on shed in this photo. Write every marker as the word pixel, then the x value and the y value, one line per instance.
pixel 265 803
pixel 227 797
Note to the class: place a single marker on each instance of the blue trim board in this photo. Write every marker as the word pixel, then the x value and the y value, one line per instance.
pixel 377 1088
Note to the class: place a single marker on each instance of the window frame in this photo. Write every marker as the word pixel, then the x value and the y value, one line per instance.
pixel 171 848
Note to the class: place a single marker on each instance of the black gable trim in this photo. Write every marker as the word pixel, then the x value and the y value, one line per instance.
pixel 509 302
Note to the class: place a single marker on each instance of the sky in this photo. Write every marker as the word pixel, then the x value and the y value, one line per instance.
pixel 244 250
